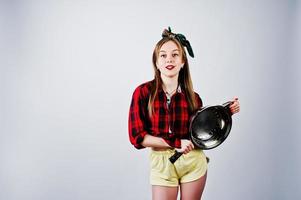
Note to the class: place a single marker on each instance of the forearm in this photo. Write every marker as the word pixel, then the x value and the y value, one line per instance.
pixel 152 141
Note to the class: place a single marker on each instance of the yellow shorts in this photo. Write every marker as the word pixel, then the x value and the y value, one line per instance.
pixel 187 168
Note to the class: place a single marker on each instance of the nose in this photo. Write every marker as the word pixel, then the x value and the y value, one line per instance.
pixel 169 59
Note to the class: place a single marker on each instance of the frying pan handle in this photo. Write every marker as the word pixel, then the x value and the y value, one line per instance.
pixel 175 157
pixel 227 106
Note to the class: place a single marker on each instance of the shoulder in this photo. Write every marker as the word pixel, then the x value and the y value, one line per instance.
pixel 196 94
pixel 143 90
pixel 198 99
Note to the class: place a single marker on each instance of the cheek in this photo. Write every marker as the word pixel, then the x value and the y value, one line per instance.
pixel 180 63
pixel 179 60
pixel 159 63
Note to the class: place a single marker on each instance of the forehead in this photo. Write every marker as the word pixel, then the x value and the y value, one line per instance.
pixel 169 46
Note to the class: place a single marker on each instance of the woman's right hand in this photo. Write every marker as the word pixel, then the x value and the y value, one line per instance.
pixel 186 146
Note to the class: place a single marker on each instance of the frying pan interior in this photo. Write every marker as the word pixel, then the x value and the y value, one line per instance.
pixel 210 127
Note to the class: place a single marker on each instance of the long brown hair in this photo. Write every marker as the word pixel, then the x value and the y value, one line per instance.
pixel 184 79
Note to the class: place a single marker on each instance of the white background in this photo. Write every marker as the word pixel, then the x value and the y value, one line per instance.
pixel 68 70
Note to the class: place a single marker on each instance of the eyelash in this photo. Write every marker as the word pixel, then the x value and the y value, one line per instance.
pixel 173 55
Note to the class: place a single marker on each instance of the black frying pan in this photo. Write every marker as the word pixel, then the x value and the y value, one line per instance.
pixel 209 127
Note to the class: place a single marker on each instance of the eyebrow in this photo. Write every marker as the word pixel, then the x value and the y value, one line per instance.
pixel 172 50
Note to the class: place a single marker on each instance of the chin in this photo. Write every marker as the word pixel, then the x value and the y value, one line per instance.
pixel 171 75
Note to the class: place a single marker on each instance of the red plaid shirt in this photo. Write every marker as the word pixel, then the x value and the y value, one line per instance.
pixel 169 122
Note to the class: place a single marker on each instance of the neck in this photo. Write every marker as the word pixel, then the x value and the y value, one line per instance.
pixel 170 84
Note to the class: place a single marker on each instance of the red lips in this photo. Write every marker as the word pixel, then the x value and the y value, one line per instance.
pixel 170 67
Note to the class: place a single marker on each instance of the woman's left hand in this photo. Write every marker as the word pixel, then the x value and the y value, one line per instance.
pixel 234 107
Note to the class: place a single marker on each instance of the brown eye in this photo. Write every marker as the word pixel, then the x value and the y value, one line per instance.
pixel 175 54
pixel 163 55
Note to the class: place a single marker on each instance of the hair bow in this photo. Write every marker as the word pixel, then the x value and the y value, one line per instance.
pixel 180 37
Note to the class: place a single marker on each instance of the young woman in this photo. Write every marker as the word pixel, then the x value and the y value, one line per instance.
pixel 159 118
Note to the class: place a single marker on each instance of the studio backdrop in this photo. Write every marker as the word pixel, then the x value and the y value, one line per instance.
pixel 68 71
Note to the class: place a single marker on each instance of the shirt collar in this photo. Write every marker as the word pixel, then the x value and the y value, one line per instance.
pixel 179 89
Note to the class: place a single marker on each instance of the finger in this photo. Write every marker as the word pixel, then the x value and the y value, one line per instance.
pixel 233 108
pixel 234 100
pixel 180 150
pixel 190 148
pixel 186 151
pixel 234 104
pixel 236 110
pixel 192 145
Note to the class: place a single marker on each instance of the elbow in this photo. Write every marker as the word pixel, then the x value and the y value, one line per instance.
pixel 138 141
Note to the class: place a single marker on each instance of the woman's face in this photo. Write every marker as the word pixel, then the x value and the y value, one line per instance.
pixel 169 61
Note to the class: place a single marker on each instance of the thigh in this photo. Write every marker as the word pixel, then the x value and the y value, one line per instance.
pixel 193 190
pixel 164 192
pixel 162 171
